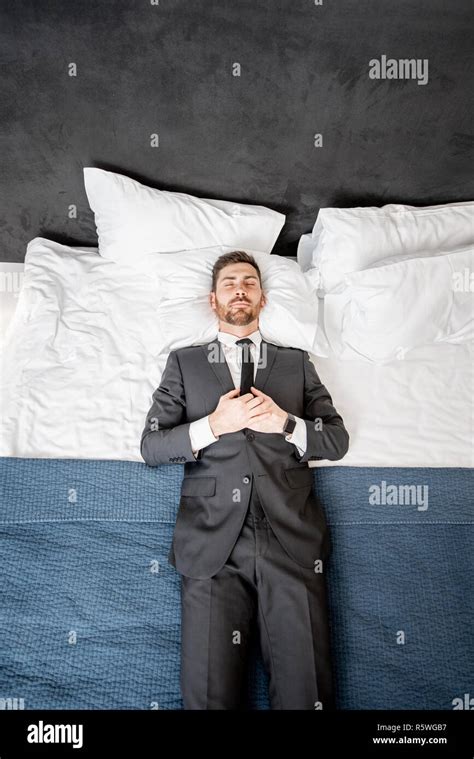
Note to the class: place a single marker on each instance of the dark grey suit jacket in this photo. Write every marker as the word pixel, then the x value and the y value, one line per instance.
pixel 216 486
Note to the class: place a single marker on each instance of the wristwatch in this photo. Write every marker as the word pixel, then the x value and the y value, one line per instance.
pixel 290 425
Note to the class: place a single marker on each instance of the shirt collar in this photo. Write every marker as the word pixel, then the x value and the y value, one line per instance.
pixel 227 339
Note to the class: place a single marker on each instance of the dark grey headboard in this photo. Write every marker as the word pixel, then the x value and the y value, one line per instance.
pixel 168 67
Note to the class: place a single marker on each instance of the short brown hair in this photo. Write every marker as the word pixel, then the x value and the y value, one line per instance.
pixel 234 257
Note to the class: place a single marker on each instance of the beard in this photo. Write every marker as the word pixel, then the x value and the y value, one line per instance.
pixel 239 317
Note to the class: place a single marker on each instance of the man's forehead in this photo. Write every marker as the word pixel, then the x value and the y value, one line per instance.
pixel 238 270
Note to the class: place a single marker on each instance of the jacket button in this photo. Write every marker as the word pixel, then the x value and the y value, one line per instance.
pixel 246 480
pixel 250 436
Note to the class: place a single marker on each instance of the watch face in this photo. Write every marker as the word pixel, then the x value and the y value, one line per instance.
pixel 289 426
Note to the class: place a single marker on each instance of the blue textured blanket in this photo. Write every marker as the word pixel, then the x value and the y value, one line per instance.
pixel 90 607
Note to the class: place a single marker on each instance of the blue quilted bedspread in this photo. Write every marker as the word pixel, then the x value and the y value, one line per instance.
pixel 90 607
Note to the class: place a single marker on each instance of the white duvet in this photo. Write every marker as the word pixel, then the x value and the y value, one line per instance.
pixel 84 353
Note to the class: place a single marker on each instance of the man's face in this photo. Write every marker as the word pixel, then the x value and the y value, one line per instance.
pixel 238 298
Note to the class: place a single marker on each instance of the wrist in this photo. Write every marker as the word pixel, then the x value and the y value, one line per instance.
pixel 214 425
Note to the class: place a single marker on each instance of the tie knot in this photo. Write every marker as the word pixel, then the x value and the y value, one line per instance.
pixel 244 341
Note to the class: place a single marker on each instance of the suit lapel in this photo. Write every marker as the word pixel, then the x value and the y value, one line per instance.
pixel 214 356
pixel 268 353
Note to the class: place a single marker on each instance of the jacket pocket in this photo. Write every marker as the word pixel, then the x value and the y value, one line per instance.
pixel 198 486
pixel 299 477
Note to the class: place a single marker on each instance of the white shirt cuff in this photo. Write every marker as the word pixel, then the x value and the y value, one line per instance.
pixel 299 436
pixel 201 435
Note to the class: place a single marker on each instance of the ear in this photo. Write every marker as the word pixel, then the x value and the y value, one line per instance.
pixel 212 300
pixel 263 300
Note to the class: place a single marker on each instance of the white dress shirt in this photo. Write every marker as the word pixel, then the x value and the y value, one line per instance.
pixel 200 432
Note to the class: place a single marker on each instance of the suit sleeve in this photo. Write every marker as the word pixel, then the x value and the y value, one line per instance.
pixel 327 438
pixel 165 438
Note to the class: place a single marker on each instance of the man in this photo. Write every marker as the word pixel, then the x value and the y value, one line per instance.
pixel 250 541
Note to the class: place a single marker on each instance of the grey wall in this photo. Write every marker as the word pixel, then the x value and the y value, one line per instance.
pixel 168 69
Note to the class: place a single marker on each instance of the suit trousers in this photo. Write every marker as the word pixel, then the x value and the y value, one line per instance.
pixel 259 589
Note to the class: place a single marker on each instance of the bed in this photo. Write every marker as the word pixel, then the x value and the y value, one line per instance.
pixel 90 606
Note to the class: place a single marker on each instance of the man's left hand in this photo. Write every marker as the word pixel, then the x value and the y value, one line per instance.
pixel 275 417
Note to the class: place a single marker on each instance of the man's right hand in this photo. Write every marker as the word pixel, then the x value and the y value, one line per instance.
pixel 234 413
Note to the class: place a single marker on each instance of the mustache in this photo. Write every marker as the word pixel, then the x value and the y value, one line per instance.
pixel 240 300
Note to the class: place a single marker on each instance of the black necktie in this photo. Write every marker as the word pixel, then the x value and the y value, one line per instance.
pixel 246 375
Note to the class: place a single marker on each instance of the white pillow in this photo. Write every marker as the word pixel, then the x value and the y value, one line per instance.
pixel 133 220
pixel 351 239
pixel 289 318
pixel 381 313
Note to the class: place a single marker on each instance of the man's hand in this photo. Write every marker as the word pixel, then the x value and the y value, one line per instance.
pixel 271 417
pixel 235 413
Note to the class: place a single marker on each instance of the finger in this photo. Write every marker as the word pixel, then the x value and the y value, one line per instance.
pixel 232 393
pixel 247 397
pixel 257 392
pixel 256 416
pixel 254 402
pixel 261 408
